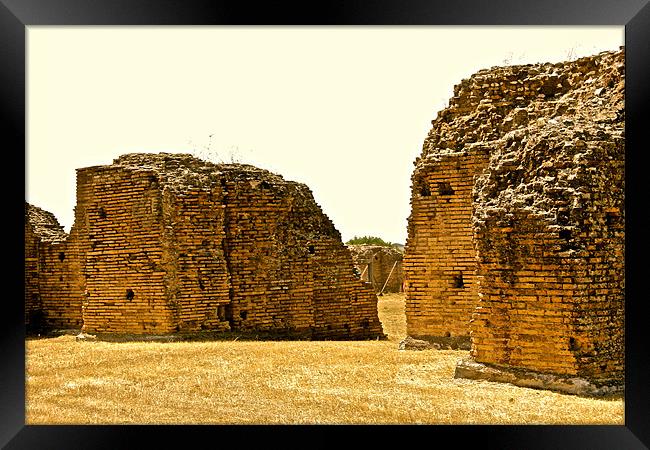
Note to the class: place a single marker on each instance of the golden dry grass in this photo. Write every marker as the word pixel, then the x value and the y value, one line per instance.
pixel 282 382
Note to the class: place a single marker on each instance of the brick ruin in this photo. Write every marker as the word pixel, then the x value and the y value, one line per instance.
pixel 167 243
pixel 379 265
pixel 516 234
pixel 51 290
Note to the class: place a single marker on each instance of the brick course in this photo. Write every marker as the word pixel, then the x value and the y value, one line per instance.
pixel 521 186
pixel 167 243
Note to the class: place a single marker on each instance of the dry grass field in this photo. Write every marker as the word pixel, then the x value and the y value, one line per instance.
pixel 281 382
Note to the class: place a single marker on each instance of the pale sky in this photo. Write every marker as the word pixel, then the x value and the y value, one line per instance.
pixel 342 109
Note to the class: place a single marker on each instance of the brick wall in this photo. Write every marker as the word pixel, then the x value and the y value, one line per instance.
pixel 379 265
pixel 51 293
pixel 33 306
pixel 538 154
pixel 168 243
pixel 440 261
pixel 124 260
pixel 272 281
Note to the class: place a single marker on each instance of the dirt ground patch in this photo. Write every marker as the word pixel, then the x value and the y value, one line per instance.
pixel 281 382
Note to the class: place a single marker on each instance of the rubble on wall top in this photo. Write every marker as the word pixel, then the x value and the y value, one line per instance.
pixel 184 171
pixel 494 102
pixel 44 224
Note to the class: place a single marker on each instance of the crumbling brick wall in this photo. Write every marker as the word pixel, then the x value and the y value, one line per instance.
pixel 549 232
pixel 271 278
pixel 124 263
pixel 169 243
pixel 32 296
pixel 379 265
pixel 51 292
pixel 439 261
pixel 538 154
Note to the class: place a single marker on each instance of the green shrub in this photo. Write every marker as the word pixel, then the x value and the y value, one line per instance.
pixel 369 240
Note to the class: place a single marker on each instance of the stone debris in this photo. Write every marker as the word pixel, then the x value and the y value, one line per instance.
pixel 516 232
pixel 470 369
pixel 44 225
pixel 167 243
pixel 85 337
pixel 409 343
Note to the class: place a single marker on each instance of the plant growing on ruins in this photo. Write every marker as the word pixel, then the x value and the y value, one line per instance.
pixel 369 240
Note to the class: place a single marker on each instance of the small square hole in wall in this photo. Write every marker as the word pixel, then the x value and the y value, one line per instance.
pixel 458 280
pixel 130 294
pixel 311 249
pixel 610 218
pixel 445 188
pixel 221 312
pixel 243 314
pixel 424 190
pixel 61 256
pixel 102 213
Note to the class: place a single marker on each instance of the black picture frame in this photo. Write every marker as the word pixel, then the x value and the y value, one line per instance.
pixel 16 15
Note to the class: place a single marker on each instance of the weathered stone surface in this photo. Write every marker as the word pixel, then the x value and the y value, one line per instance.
pixel 51 291
pixel 379 265
pixel 409 343
pixel 516 234
pixel 85 337
pixel 167 243
pixel 470 369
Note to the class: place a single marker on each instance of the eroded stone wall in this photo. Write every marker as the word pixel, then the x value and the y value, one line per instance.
pixel 272 281
pixel 51 289
pixel 549 232
pixel 526 166
pixel 440 261
pixel 167 243
pixel 379 265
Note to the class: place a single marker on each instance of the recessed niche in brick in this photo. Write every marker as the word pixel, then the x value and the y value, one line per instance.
pixel 610 218
pixel 458 280
pixel 221 312
pixel 444 188
pixel 130 294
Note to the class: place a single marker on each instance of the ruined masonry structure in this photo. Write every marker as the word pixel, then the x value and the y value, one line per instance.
pixel 167 243
pixel 516 235
pixel 379 265
pixel 52 292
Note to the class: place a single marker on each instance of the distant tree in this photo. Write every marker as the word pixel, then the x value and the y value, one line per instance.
pixel 369 240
